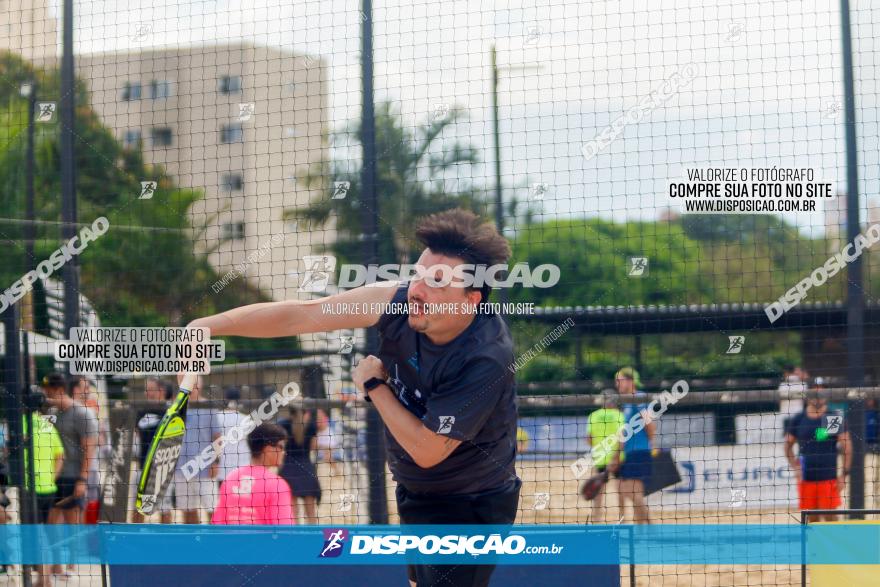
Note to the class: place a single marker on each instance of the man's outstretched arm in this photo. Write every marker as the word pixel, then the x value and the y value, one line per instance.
pixel 361 308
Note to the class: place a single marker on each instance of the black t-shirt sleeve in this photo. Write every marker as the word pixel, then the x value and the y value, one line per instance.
pixel 388 317
pixel 460 406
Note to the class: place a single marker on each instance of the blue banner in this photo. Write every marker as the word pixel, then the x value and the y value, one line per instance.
pixel 669 544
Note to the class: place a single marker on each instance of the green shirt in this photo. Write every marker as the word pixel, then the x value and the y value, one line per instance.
pixel 604 423
pixel 47 448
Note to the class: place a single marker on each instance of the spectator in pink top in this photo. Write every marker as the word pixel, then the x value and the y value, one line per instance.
pixel 255 494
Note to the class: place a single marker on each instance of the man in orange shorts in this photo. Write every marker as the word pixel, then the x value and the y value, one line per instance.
pixel 820 435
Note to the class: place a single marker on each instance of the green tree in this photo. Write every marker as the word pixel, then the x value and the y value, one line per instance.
pixel 418 173
pixel 143 271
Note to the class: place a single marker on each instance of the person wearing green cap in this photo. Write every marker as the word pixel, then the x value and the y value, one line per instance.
pixel 604 426
pixel 638 461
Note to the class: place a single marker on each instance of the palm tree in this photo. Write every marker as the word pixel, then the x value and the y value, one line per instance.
pixel 417 174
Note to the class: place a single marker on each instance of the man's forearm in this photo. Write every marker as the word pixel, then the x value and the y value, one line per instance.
pixel 426 448
pixel 88 454
pixel 789 455
pixel 358 308
pixel 266 320
pixel 404 426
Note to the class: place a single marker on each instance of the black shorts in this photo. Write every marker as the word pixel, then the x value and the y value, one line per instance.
pixel 493 507
pixel 637 466
pixel 45 501
pixel 64 499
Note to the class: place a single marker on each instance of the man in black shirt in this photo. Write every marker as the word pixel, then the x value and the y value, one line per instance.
pixel 442 381
pixel 819 435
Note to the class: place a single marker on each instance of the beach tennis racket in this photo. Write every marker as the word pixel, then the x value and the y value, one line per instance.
pixel 592 486
pixel 164 450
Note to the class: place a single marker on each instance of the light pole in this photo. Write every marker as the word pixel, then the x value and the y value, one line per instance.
pixel 29 90
pixel 68 173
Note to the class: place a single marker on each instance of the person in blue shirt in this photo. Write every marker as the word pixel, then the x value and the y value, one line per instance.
pixel 637 462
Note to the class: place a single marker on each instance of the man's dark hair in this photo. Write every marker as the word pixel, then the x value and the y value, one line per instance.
pixel 168 387
pixel 815 395
pixel 232 394
pixel 461 233
pixel 266 434
pixel 54 380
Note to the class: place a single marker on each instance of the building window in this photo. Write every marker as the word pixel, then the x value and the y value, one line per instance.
pixel 131 91
pixel 131 139
pixel 231 133
pixel 161 137
pixel 160 89
pixel 231 182
pixel 233 230
pixel 230 84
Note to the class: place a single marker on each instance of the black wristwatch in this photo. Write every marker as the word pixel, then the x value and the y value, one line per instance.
pixel 371 384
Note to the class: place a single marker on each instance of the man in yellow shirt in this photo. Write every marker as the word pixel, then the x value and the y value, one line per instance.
pixel 604 426
pixel 48 458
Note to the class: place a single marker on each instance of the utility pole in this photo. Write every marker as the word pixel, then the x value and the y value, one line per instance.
pixel 496 133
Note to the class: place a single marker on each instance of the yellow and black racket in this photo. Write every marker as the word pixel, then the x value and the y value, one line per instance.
pixel 164 450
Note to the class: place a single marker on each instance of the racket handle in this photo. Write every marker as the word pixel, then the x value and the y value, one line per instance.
pixel 188 381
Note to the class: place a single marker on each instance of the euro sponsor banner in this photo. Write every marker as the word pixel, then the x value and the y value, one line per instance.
pixel 542 545
pixel 752 476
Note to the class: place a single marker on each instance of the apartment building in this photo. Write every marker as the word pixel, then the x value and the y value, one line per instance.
pixel 239 122
pixel 243 124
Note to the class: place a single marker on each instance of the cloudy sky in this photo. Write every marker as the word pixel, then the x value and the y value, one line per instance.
pixel 768 88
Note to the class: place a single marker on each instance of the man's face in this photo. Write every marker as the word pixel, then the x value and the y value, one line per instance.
pixel 624 385
pixel 276 452
pixel 426 290
pixel 818 405
pixel 154 391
